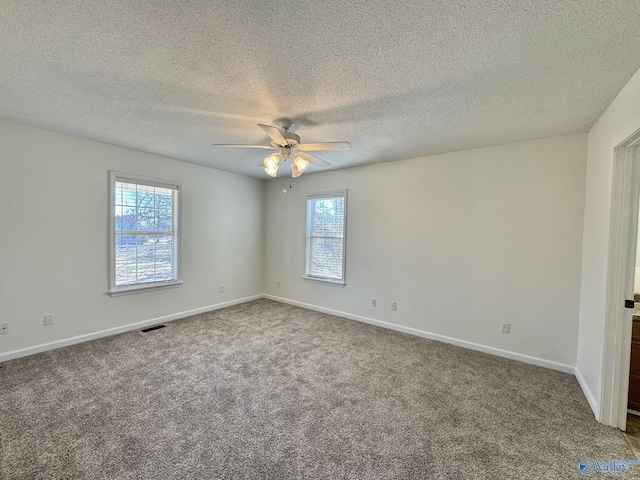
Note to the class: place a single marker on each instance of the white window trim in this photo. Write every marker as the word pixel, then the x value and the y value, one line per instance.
pixel 115 291
pixel 328 281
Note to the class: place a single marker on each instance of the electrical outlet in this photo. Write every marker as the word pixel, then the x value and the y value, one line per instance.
pixel 373 302
pixel 4 328
pixel 221 288
pixel 49 319
pixel 394 306
pixel 506 328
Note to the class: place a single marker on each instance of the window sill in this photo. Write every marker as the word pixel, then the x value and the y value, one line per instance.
pixel 142 288
pixel 325 281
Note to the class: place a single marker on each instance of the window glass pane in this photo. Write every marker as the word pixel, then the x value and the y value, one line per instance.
pixel 164 210
pixel 118 218
pixel 325 237
pixel 126 253
pixel 326 217
pixel 130 239
pixel 127 194
pixel 145 197
pixel 144 238
pixel 145 219
pixel 144 258
pixel 125 219
pixel 325 257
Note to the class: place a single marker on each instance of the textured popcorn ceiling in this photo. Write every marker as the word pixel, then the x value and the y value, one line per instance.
pixel 396 79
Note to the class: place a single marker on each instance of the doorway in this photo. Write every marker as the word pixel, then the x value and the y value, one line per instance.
pixel 620 286
pixel 632 425
pixel 633 402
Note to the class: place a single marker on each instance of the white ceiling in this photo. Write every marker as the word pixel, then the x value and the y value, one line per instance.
pixel 396 79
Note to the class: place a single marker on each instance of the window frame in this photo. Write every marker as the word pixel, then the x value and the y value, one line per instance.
pixel 340 193
pixel 116 176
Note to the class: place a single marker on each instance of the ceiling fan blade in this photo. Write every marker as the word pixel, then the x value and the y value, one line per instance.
pixel 306 147
pixel 313 159
pixel 274 133
pixel 237 145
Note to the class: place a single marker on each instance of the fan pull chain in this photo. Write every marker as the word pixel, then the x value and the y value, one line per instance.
pixel 284 171
pixel 284 185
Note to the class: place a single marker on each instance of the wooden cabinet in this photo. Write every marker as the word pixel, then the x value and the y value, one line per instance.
pixel 634 373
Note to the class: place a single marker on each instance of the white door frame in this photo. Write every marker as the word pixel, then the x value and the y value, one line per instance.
pixel 616 353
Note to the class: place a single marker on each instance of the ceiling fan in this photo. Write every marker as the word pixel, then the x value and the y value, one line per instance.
pixel 290 148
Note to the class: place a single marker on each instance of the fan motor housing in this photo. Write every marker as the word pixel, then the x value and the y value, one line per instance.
pixel 292 140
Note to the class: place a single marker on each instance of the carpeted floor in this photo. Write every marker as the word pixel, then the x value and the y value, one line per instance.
pixel 267 390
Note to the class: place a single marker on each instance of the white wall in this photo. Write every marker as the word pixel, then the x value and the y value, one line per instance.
pixel 54 236
pixel 462 242
pixel 620 119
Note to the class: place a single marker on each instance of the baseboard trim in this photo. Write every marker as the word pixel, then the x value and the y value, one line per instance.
pixel 23 352
pixel 588 394
pixel 433 336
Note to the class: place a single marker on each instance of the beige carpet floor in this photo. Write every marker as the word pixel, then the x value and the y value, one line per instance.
pixel 268 390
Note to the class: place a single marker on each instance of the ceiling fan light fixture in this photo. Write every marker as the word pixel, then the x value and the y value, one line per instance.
pixel 285 153
pixel 290 149
pixel 272 161
pixel 272 171
pixel 301 164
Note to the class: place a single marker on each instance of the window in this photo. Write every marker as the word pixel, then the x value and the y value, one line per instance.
pixel 144 233
pixel 326 222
